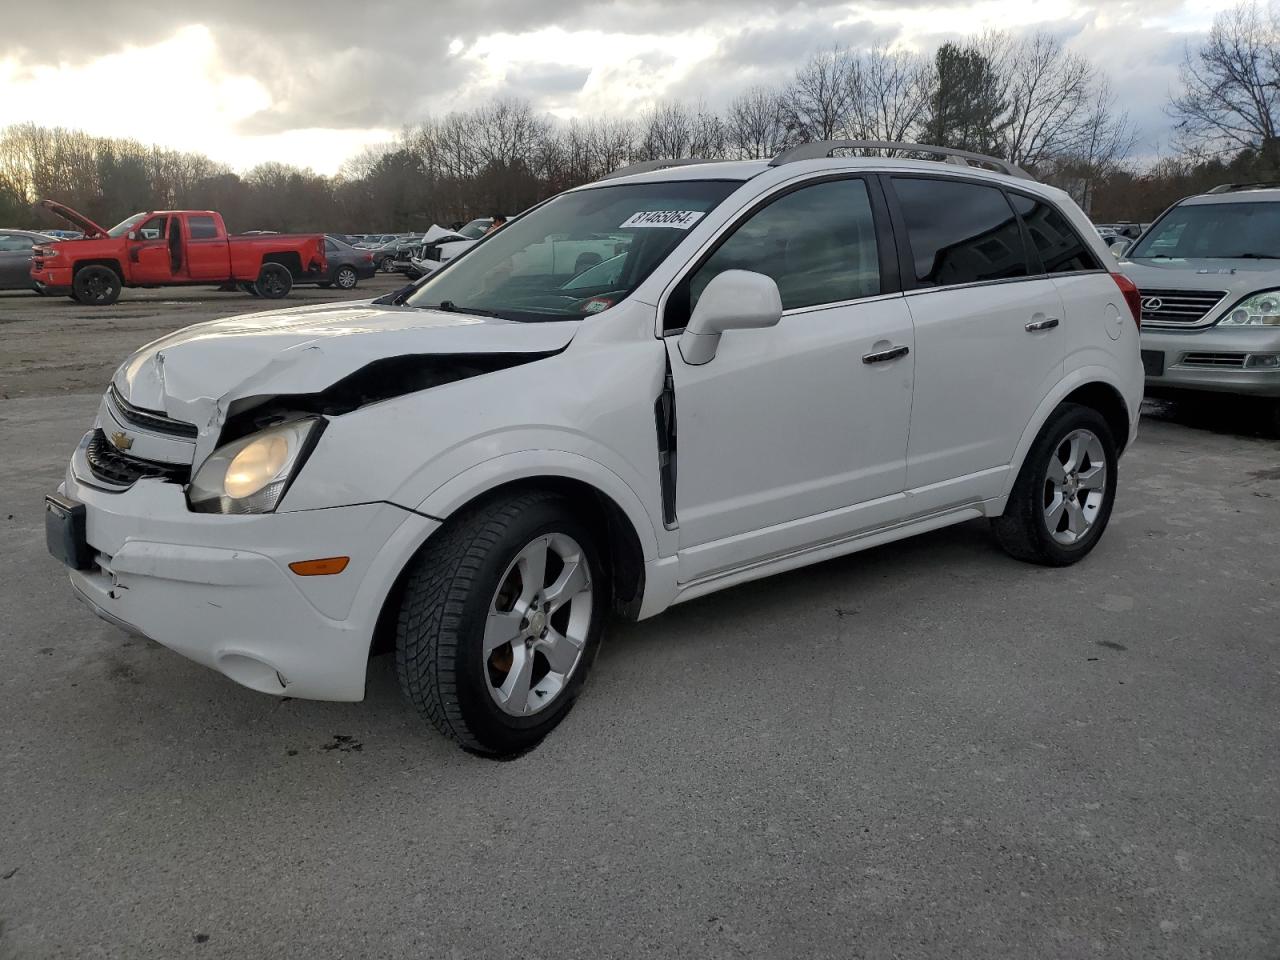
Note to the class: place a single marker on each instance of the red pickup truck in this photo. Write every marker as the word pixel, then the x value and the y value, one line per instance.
pixel 164 248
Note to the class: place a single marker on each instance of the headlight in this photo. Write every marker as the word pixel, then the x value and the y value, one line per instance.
pixel 46 253
pixel 252 474
pixel 1259 310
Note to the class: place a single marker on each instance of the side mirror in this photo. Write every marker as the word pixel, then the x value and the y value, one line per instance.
pixel 1119 247
pixel 733 300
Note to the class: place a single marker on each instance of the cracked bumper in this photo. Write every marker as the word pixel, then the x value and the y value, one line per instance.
pixel 218 589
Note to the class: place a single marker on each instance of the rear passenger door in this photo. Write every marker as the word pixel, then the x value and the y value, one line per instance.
pixel 989 343
pixel 788 430
pixel 207 256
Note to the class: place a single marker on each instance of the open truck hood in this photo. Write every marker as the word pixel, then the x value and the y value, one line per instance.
pixel 197 374
pixel 74 217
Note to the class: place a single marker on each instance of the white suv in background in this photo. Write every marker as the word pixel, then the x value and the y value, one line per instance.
pixel 792 360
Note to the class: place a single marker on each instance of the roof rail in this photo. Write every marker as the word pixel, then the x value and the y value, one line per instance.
pixel 1236 187
pixel 821 149
pixel 647 166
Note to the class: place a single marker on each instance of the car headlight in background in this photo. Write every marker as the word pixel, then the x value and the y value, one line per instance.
pixel 1259 310
pixel 251 474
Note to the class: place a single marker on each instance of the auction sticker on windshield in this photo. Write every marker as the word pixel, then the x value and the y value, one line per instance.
pixel 677 219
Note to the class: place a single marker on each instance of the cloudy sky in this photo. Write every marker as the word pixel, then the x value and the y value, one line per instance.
pixel 313 82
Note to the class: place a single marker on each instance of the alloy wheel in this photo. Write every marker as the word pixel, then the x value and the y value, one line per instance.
pixel 1075 486
pixel 537 625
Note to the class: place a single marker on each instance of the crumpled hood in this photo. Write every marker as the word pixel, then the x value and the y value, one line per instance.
pixel 196 373
pixel 1239 277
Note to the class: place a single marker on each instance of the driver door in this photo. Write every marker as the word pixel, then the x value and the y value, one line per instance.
pixel 795 435
pixel 149 260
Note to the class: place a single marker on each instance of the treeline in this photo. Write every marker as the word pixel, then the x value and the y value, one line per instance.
pixel 1028 100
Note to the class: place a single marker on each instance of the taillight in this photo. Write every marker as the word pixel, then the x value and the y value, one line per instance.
pixel 1131 296
pixel 368 258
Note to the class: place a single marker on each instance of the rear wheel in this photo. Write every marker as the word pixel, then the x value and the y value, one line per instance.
pixel 1062 499
pixel 274 282
pixel 502 614
pixel 96 285
pixel 385 264
pixel 345 277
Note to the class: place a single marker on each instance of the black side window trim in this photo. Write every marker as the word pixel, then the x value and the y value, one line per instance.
pixel 906 257
pixel 890 279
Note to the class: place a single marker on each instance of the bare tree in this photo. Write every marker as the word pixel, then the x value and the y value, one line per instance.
pixel 819 103
pixel 1049 92
pixel 890 94
pixel 755 126
pixel 1231 85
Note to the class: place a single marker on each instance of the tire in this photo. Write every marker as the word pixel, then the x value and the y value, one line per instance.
pixel 249 288
pixel 345 277
pixel 274 282
pixel 1273 418
pixel 1040 524
pixel 472 568
pixel 96 286
pixel 385 264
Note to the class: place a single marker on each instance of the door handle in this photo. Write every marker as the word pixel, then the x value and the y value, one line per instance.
pixel 1048 323
pixel 881 356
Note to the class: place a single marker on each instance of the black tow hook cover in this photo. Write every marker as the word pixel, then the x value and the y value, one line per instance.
pixel 64 532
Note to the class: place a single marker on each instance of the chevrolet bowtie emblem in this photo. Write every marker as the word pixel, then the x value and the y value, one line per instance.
pixel 121 440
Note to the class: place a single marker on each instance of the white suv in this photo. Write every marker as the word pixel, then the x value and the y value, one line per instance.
pixel 794 360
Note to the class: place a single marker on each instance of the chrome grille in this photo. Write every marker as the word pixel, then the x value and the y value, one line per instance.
pixel 1212 360
pixel 115 467
pixel 1178 308
pixel 149 419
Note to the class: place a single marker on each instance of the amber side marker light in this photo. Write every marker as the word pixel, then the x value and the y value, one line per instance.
pixel 319 568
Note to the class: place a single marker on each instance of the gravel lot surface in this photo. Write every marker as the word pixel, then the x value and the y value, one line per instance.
pixel 924 750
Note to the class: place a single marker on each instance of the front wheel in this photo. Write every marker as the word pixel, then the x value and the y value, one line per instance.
pixel 96 286
pixel 501 617
pixel 1062 499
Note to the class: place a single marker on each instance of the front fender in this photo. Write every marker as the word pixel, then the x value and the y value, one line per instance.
pixel 490 474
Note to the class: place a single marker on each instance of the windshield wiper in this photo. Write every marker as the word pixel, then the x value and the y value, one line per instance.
pixel 448 306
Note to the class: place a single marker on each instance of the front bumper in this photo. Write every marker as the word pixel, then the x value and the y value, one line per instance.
pixel 218 589
pixel 1213 359
pixel 52 279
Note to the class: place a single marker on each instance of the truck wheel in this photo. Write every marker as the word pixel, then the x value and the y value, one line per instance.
pixel 1062 499
pixel 274 282
pixel 502 614
pixel 96 285
pixel 346 278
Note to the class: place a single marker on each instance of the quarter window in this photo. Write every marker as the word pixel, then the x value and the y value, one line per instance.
pixel 202 228
pixel 960 232
pixel 818 244
pixel 1060 248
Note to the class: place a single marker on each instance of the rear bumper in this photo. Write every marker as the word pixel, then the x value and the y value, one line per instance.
pixel 218 589
pixel 1229 374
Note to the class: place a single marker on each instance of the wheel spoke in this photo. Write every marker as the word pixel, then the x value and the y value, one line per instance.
pixel 571 582
pixel 1053 512
pixel 1057 472
pixel 1075 453
pixel 515 689
pixel 533 570
pixel 561 651
pixel 1095 478
pixel 500 628
pixel 1077 523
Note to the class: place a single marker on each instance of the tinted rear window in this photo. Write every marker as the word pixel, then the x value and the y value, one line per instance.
pixel 1060 248
pixel 960 232
pixel 203 228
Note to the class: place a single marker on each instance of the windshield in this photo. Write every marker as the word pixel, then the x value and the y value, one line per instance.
pixel 1214 231
pixel 124 226
pixel 520 272
pixel 475 229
